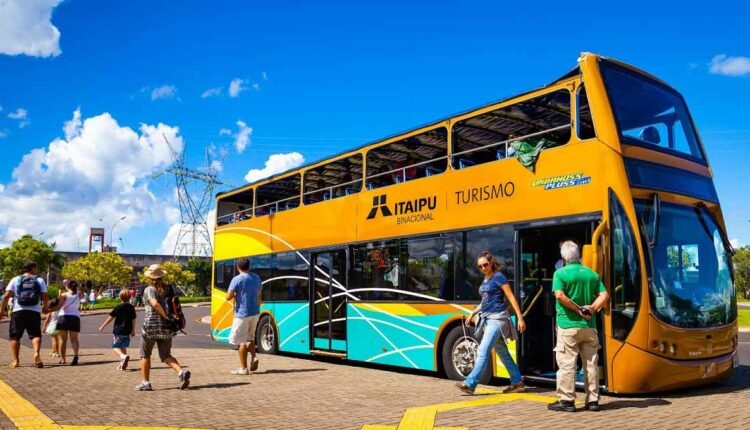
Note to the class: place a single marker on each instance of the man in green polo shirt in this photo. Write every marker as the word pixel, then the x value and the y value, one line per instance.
pixel 580 295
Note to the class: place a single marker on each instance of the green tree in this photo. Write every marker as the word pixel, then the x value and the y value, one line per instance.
pixel 672 257
pixel 176 275
pixel 741 261
pixel 201 285
pixel 101 269
pixel 25 249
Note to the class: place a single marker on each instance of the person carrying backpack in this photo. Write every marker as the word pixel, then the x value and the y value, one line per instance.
pixel 159 328
pixel 30 299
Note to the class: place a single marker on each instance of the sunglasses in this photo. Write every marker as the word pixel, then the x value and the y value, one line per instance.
pixel 482 266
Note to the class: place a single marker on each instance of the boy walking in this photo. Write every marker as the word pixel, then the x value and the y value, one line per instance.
pixel 30 298
pixel 124 317
pixel 245 290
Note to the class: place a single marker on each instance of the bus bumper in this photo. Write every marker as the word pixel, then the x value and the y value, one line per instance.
pixel 638 371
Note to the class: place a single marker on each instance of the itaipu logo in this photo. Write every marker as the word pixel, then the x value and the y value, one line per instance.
pixel 405 211
pixel 564 181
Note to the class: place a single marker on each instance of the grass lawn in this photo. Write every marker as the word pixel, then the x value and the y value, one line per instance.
pixel 744 317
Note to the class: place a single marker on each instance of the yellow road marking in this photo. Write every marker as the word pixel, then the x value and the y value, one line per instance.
pixel 423 418
pixel 26 416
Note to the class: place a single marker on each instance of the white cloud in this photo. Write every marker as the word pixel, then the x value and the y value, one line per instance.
pixel 276 163
pixel 735 243
pixel 729 66
pixel 99 170
pixel 242 137
pixel 3 133
pixel 26 28
pixel 225 132
pixel 22 116
pixel 216 166
pixel 167 246
pixel 20 113
pixel 211 92
pixel 73 127
pixel 264 75
pixel 164 92
pixel 256 86
pixel 236 87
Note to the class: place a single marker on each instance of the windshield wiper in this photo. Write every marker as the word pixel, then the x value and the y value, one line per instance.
pixel 657 214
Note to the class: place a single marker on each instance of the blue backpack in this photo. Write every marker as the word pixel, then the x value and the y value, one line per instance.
pixel 28 291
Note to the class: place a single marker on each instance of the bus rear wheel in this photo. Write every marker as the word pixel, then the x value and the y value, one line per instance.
pixel 459 353
pixel 265 336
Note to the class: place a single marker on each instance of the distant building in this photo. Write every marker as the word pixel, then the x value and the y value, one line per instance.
pixel 137 261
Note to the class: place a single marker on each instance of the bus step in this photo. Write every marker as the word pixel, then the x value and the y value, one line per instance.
pixel 328 353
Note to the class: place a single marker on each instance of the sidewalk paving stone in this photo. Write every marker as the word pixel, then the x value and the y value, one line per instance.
pixel 298 393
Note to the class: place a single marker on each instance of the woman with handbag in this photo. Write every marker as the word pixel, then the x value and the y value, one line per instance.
pixel 495 325
pixel 158 329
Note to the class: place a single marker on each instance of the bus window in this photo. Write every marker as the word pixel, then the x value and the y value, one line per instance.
pixel 289 278
pixel 235 208
pixel 585 123
pixel 626 273
pixel 500 241
pixel 223 274
pixel 376 268
pixel 429 264
pixel 411 158
pixel 277 196
pixel 543 120
pixel 336 179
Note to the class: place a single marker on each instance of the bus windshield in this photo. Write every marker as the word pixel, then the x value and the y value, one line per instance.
pixel 690 268
pixel 649 113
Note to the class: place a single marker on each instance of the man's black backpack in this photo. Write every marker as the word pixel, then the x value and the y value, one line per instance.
pixel 28 291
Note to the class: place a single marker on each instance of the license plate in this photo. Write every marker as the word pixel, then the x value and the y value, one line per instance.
pixel 736 359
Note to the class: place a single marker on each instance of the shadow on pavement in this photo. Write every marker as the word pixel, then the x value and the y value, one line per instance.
pixel 214 385
pixel 638 404
pixel 272 371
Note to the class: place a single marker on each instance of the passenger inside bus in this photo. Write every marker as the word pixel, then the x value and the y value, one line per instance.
pixel 650 134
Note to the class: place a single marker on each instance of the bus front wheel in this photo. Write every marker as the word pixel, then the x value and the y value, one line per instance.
pixel 459 353
pixel 265 336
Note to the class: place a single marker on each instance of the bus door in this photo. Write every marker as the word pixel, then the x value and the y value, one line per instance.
pixel 538 258
pixel 328 301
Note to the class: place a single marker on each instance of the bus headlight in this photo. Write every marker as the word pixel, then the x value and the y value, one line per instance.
pixel 663 347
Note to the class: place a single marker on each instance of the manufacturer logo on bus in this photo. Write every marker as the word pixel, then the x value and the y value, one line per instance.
pixel 405 211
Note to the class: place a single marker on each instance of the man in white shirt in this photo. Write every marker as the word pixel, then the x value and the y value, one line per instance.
pixel 29 293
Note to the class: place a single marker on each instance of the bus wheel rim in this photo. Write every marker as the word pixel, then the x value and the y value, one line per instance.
pixel 267 337
pixel 464 354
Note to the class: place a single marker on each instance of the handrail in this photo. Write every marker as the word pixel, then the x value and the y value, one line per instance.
pixel 595 243
pixel 531 305
pixel 402 170
pixel 330 189
pixel 505 142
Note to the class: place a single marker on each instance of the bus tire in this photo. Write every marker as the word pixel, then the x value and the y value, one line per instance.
pixel 458 355
pixel 266 336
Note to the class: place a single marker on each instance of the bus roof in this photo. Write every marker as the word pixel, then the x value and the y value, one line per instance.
pixel 575 71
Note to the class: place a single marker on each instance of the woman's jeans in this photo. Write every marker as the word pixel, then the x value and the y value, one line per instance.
pixel 492 336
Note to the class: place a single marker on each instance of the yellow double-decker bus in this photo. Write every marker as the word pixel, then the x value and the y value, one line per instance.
pixel 370 255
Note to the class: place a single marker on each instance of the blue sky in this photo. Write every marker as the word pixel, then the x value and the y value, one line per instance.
pixel 312 78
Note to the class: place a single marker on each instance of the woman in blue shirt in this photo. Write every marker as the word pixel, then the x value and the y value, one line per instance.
pixel 497 325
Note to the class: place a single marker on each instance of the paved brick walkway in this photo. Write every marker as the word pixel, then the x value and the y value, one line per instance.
pixel 292 393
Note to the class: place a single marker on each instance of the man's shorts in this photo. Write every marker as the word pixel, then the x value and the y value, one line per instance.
pixel 121 341
pixel 28 321
pixel 164 346
pixel 243 330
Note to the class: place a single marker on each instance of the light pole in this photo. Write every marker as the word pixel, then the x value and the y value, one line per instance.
pixel 111 228
pixel 121 243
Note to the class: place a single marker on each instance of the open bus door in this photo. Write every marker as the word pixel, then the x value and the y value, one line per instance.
pixel 328 277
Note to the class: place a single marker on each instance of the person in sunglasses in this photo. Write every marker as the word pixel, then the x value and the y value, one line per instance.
pixel 496 324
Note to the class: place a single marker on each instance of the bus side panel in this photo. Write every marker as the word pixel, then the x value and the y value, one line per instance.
pixel 309 226
pixel 243 239
pixel 293 324
pixel 395 334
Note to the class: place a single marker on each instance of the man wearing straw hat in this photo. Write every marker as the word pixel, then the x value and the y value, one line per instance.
pixel 158 329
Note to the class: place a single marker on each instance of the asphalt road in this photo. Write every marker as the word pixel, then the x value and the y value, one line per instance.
pixel 197 333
